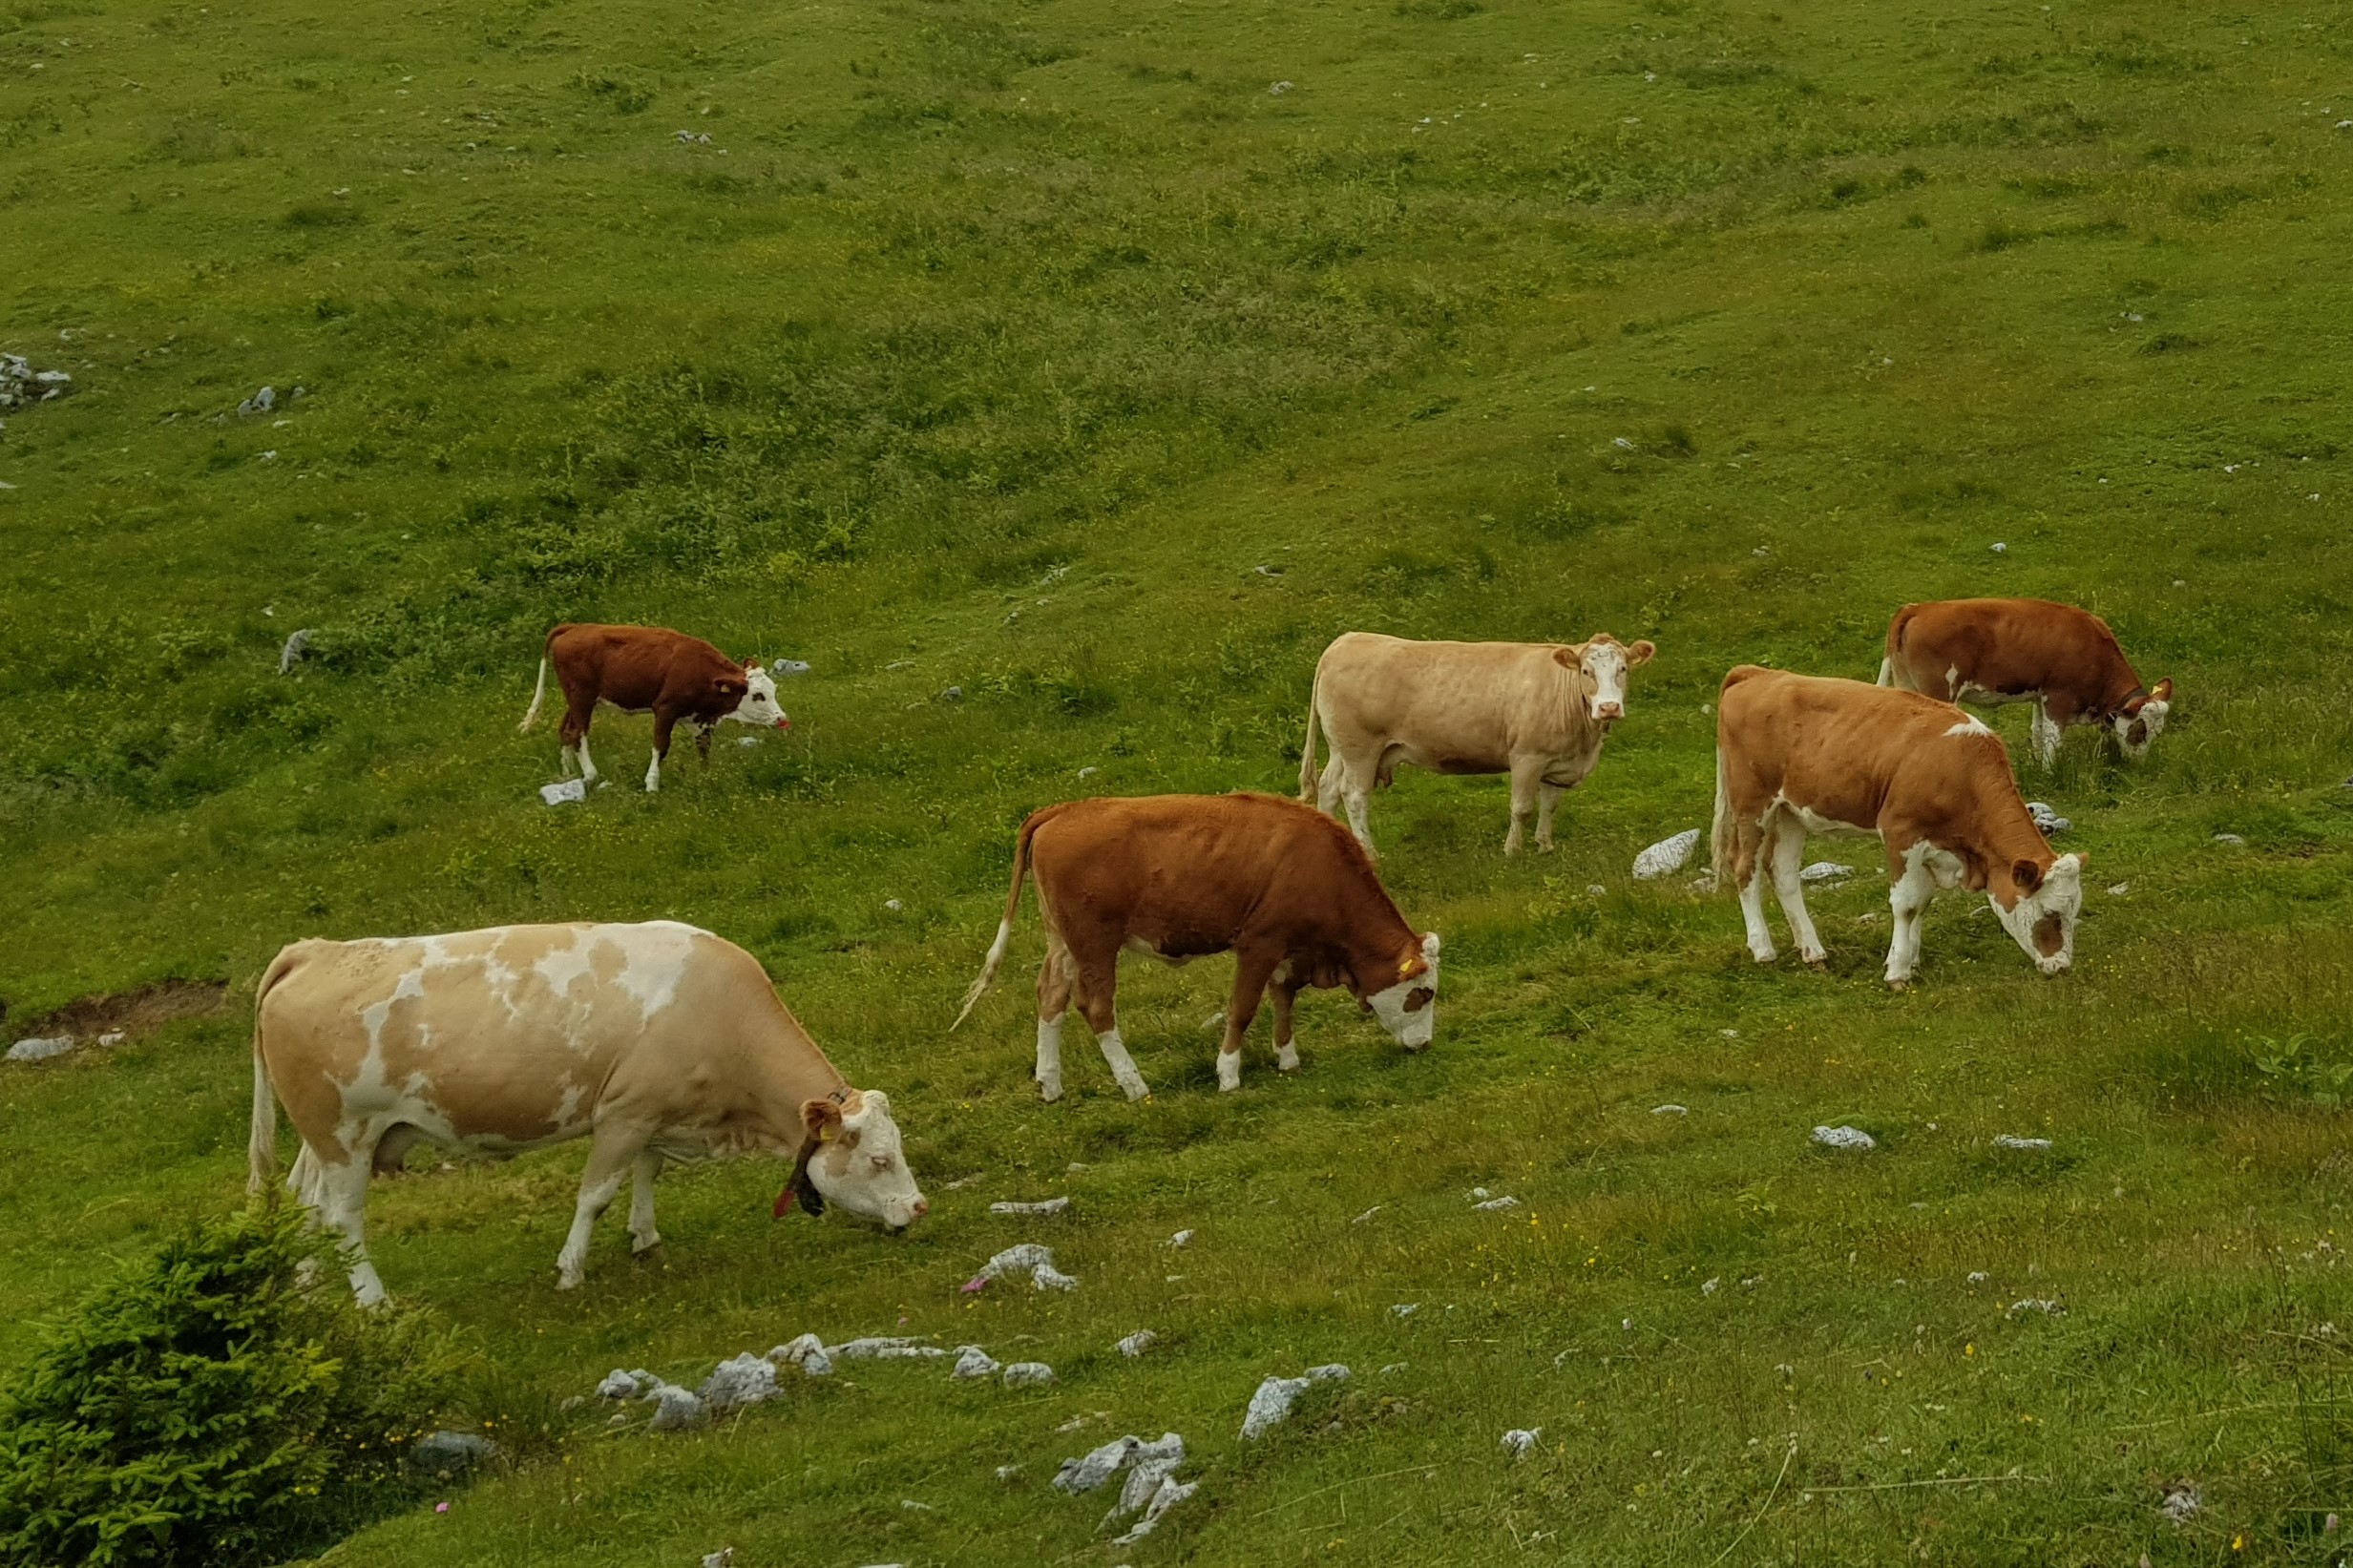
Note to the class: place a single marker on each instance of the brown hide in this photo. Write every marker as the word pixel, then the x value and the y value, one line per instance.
pixel 1955 649
pixel 1876 760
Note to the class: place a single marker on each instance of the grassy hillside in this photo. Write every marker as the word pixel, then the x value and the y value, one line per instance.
pixel 993 347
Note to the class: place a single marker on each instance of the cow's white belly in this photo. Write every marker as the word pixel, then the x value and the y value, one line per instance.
pixel 1979 697
pixel 1816 823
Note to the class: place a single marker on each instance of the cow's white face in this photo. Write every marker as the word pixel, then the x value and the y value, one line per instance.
pixel 2044 921
pixel 760 705
pixel 858 1163
pixel 1409 1009
pixel 2138 726
pixel 1605 662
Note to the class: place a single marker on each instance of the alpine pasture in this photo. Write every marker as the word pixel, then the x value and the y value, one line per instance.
pixel 1057 378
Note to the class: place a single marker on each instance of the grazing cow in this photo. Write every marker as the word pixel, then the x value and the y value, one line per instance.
pixel 639 669
pixel 2064 660
pixel 1798 754
pixel 1538 711
pixel 655 1042
pixel 1181 876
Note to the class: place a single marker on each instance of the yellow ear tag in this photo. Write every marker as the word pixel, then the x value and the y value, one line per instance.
pixel 1405 968
pixel 825 1134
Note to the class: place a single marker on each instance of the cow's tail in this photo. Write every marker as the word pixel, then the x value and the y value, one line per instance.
pixel 1004 927
pixel 261 1141
pixel 1891 669
pixel 537 692
pixel 1307 747
pixel 1720 829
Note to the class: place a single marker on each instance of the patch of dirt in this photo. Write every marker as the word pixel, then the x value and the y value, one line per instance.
pixel 134 1013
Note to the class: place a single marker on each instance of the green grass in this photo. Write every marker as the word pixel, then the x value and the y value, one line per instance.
pixel 992 345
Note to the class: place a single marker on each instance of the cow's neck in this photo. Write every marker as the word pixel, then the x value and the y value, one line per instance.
pixel 2005 835
pixel 2122 686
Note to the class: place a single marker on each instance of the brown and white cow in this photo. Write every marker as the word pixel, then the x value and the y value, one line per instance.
pixel 641 669
pixel 1178 877
pixel 1538 711
pixel 1801 754
pixel 2064 660
pixel 656 1042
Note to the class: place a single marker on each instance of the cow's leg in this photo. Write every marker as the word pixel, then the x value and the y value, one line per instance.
pixel 1788 852
pixel 579 707
pixel 2047 733
pixel 642 1236
pixel 1098 999
pixel 1330 783
pixel 588 764
pixel 612 1150
pixel 1748 874
pixel 1526 777
pixel 1054 980
pixel 1910 888
pixel 702 741
pixel 340 1193
pixel 1250 974
pixel 1547 796
pixel 663 722
pixel 1286 992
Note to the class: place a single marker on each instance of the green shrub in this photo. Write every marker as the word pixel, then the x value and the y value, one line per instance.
pixel 221 1402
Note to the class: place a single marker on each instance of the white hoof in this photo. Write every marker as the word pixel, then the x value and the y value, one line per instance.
pixel 1049 1091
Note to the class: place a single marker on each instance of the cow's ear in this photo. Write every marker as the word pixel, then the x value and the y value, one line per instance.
pixel 2026 874
pixel 1412 964
pixel 2164 692
pixel 1429 946
pixel 2082 859
pixel 823 1119
pixel 1568 658
pixel 1639 653
pixel 728 685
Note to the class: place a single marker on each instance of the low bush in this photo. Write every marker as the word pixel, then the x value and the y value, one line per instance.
pixel 221 1402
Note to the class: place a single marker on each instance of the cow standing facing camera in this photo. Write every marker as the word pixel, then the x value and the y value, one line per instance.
pixel 1179 877
pixel 650 669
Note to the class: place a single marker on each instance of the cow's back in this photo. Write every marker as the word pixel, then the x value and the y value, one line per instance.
pixel 1466 702
pixel 507 1037
pixel 2006 647
pixel 1837 748
pixel 632 666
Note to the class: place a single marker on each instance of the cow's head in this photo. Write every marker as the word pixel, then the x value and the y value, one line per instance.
pixel 757 704
pixel 1408 1006
pixel 2138 722
pixel 852 1157
pixel 1603 661
pixel 2042 920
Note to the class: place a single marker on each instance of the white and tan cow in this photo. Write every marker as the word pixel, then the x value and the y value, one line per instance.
pixel 1801 754
pixel 1538 711
pixel 2064 660
pixel 1178 877
pixel 656 1042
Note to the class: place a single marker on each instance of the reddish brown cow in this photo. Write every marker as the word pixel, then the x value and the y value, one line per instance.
pixel 1799 754
pixel 641 669
pixel 1282 885
pixel 2064 660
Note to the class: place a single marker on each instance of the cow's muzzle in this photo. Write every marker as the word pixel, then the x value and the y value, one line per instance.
pixel 784 722
pixel 1609 710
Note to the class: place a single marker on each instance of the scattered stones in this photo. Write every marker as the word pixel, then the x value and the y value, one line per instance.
pixel 1978 1276
pixel 261 403
pixel 788 667
pixel 2120 889
pixel 2004 1141
pixel 1405 1310
pixel 20 383
pixel 887 1349
pixel 113 1037
pixel 296 647
pixel 1023 1374
pixel 677 1408
pixel 1044 1206
pixel 2000 547
pixel 1027 1258
pixel 1671 1109
pixel 724 1557
pixel 2227 838
pixel 40 1050
pixel 692 140
pixel 1270 1406
pixel 2181 1502
pixel 450 1453
pixel 1367 1214
pixel 1137 1342
pixel 971 1361
pixel 1594 889
pixel 1666 856
pixel 1277 90
pixel 807 1352
pixel 1844 1138
pixel 1520 1439
pixel 2038 1304
pixel 1182 1238
pixel 1825 871
pixel 743 1380
pixel 1169 1493
pixel 1711 1286
pixel 1268 570
pixel 571 789
pixel 621 1385
pixel 954 694
pixel 1493 1205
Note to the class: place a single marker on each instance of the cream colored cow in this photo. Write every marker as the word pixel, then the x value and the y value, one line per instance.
pixel 656 1042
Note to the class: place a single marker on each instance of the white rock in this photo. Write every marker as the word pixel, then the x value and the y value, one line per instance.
pixel 2119 889
pixel 2181 1502
pixel 1844 1138
pixel 1666 856
pixel 724 1557
pixel 1978 1277
pixel 1026 1258
pixel 1367 1214
pixel 1671 1109
pixel 1480 1192
pixel 1044 1206
pixel 1406 1309
pixel 2227 838
pixel 571 789
pixel 113 1037
pixel 1278 90
pixel 1711 1286
pixel 870 1346
pixel 971 1361
pixel 2004 1140
pixel 1023 1374
pixel 1825 871
pixel 893 905
pixel 2038 1304
pixel 1181 1237
pixel 40 1050
pixel 1270 1406
pixel 2048 820
pixel 1148 1465
pixel 621 1385
pixel 676 1408
pixel 743 1380
pixel 1594 889
pixel 1492 1204
pixel 1091 1470
pixel 1172 1492
pixel 1998 549
pixel 1520 1439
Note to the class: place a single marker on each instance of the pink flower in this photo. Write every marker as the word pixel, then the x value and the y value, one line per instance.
pixel 441 1508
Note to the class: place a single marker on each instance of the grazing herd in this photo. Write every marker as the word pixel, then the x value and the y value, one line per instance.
pixel 659 1042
